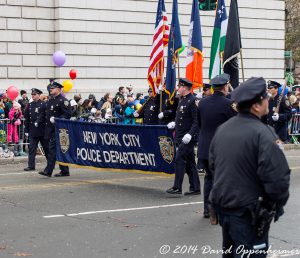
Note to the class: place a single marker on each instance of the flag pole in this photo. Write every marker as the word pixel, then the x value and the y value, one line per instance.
pixel 242 64
pixel 161 86
pixel 178 67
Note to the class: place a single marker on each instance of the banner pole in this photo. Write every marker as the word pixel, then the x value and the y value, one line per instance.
pixel 242 64
pixel 178 68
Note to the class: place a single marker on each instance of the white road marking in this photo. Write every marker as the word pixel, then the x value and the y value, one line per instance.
pixel 19 173
pixel 120 210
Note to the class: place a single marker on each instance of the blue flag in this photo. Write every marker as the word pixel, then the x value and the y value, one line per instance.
pixel 175 44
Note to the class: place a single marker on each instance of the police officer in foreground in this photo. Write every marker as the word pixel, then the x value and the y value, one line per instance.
pixel 251 174
pixel 57 107
pixel 33 129
pixel 186 133
pixel 211 113
pixel 149 111
pixel 278 120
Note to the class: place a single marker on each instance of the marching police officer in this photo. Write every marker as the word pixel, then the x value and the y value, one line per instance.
pixel 212 111
pixel 57 107
pixel 33 129
pixel 279 121
pixel 186 133
pixel 149 111
pixel 251 173
pixel 169 109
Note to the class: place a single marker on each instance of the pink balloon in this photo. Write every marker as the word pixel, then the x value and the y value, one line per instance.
pixel 12 92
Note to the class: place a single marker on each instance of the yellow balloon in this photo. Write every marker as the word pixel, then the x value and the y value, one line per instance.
pixel 68 85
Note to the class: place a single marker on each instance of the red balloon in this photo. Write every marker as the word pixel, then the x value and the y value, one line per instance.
pixel 12 92
pixel 73 74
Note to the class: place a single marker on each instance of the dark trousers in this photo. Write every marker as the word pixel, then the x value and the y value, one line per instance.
pixel 185 163
pixel 33 145
pixel 208 183
pixel 52 159
pixel 239 237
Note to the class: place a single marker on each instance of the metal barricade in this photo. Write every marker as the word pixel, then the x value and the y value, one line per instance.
pixel 12 138
pixel 294 128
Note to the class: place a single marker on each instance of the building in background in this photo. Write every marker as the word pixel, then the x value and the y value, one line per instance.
pixel 108 42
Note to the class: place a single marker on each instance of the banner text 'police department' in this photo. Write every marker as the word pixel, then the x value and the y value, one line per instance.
pixel 128 147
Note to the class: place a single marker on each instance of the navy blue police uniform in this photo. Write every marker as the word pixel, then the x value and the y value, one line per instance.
pixel 35 128
pixel 169 110
pixel 251 174
pixel 186 124
pixel 212 111
pixel 285 113
pixel 149 111
pixel 56 107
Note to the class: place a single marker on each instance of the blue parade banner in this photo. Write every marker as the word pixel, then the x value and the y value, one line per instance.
pixel 112 146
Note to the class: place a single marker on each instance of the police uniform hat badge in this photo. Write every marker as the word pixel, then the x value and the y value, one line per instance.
pixel 220 80
pixel 185 82
pixel 273 84
pixel 206 86
pixel 56 85
pixel 36 91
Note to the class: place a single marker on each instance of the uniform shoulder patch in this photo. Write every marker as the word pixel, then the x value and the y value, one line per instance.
pixel 66 103
pixel 233 105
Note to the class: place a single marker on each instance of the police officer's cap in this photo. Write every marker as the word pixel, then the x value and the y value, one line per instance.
pixel 206 86
pixel 220 80
pixel 273 84
pixel 36 91
pixel 56 85
pixel 251 91
pixel 185 82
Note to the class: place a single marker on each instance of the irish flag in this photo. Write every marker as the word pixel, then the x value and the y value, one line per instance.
pixel 194 67
pixel 218 40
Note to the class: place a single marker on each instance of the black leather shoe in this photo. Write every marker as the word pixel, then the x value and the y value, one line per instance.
pixel 192 192
pixel 206 215
pixel 44 174
pixel 174 191
pixel 29 169
pixel 60 174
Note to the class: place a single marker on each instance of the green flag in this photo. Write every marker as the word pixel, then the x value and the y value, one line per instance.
pixel 218 40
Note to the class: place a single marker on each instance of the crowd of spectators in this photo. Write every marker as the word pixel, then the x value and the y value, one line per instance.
pixel 111 108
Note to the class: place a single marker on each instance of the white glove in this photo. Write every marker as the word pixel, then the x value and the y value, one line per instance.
pixel 171 125
pixel 26 135
pixel 275 117
pixel 161 115
pixel 199 95
pixel 186 138
pixel 36 124
pixel 52 120
pixel 73 118
pixel 136 114
pixel 107 116
pixel 93 110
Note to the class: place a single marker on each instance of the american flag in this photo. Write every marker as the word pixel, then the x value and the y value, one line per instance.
pixel 160 40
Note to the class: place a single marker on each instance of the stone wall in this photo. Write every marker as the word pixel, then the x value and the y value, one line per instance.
pixel 108 41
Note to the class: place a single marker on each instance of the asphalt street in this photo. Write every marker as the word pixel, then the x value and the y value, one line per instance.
pixel 116 214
